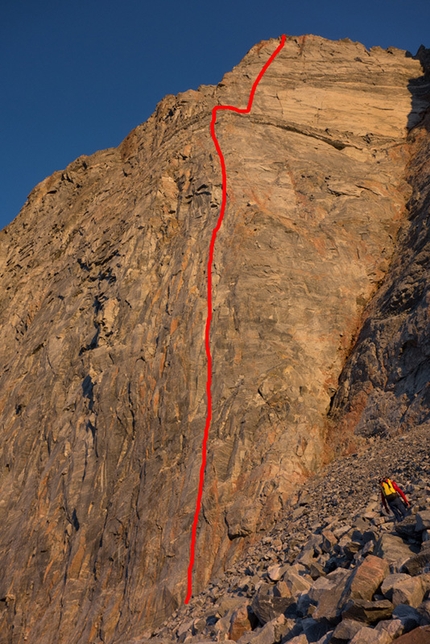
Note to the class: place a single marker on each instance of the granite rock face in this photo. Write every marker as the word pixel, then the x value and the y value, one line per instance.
pixel 103 305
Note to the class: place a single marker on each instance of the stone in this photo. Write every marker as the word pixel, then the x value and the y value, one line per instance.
pixel 282 590
pixel 300 639
pixel 329 541
pixel 275 572
pixel 267 606
pixel 369 612
pixel 316 570
pixel 242 620
pixel 423 520
pixel 368 635
pixel 367 578
pixel 297 583
pixel 390 581
pixel 408 615
pixel 424 610
pixel 394 627
pixel 407 528
pixel 393 549
pixel 325 639
pixel 420 635
pixel 271 632
pixel 408 591
pixel 326 592
pixel 418 564
pixel 345 630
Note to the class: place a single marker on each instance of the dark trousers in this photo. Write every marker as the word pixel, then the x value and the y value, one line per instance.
pixel 398 508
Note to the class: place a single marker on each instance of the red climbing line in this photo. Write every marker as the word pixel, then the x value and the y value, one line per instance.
pixel 238 110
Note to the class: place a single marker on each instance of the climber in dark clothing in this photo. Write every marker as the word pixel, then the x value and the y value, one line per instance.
pixel 394 498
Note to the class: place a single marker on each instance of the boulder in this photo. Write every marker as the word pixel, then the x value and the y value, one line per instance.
pixel 271 632
pixel 297 583
pixel 423 520
pixel 408 615
pixel 328 541
pixel 393 549
pixel 425 580
pixel 267 606
pixel 418 563
pixel 316 570
pixel 281 590
pixel 315 629
pixel 311 550
pixel 420 635
pixel 390 581
pixel 368 635
pixel 325 639
pixel 407 527
pixel 275 572
pixel 369 612
pixel 424 610
pixel 242 620
pixel 408 591
pixel 326 592
pixel 299 639
pixel 346 630
pixel 394 627
pixel 367 578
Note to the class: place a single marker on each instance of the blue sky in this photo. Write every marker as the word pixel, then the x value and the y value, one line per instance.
pixel 76 77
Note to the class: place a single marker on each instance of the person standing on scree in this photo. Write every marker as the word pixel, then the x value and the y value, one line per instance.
pixel 390 497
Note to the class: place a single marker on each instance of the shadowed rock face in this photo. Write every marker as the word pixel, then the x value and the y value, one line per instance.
pixel 384 388
pixel 103 306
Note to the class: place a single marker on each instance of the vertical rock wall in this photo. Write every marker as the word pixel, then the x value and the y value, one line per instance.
pixel 103 303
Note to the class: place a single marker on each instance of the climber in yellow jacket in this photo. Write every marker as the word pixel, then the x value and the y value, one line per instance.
pixel 393 497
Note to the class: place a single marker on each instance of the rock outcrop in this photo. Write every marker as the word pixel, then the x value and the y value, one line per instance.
pixel 103 296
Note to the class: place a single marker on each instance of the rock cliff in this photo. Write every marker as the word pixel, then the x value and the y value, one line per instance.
pixel 103 293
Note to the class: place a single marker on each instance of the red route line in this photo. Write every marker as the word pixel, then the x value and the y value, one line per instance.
pixel 238 110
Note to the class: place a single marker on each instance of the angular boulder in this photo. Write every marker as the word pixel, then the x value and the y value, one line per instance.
pixel 408 615
pixel 346 630
pixel 394 627
pixel 408 591
pixel 424 610
pixel 242 620
pixel 267 606
pixel 368 612
pixel 420 635
pixel 326 592
pixel 368 635
pixel 418 563
pixel 423 521
pixel 390 581
pixel 407 527
pixel 393 549
pixel 368 577
pixel 297 583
